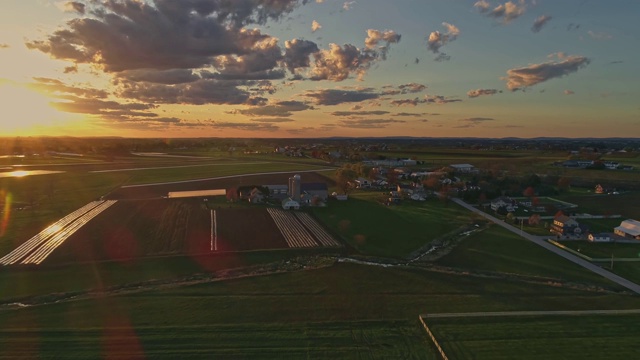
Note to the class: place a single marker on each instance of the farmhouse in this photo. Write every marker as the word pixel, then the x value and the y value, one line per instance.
pixel 362 183
pixel 314 190
pixel 278 191
pixel 629 229
pixel 566 226
pixel 502 201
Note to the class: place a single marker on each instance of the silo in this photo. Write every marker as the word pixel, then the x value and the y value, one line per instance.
pixel 294 187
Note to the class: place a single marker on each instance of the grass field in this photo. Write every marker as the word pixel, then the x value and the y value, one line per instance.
pixel 625 204
pixel 499 250
pixel 604 250
pixel 395 231
pixel 544 337
pixel 330 312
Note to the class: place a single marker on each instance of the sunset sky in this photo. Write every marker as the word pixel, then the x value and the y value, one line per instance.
pixel 319 68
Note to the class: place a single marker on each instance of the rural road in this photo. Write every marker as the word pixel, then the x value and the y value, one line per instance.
pixel 538 241
pixel 532 313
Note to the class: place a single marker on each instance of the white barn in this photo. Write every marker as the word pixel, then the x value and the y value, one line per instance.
pixel 290 204
pixel 628 229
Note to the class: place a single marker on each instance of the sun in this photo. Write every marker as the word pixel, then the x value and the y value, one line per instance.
pixel 23 111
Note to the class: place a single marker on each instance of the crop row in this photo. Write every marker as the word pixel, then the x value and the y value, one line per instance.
pixel 38 248
pixel 30 245
pixel 48 247
pixel 294 233
pixel 317 230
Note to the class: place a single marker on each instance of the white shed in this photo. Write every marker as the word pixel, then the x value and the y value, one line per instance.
pixel 290 204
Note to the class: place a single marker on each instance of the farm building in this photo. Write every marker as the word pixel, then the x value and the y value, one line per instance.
pixel 566 226
pixel 502 201
pixel 602 237
pixel 290 204
pixel 278 191
pixel 311 190
pixel 362 183
pixel 464 168
pixel 628 229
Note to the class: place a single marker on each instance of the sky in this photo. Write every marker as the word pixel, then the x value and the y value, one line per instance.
pixel 320 68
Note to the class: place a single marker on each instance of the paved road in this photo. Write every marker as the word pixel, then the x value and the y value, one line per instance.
pixel 532 313
pixel 538 241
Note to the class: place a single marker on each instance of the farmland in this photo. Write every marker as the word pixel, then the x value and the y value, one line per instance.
pixel 535 337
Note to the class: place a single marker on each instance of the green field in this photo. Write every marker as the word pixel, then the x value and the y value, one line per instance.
pixel 498 250
pixel 325 313
pixel 539 337
pixel 624 204
pixel 394 231
pixel 605 250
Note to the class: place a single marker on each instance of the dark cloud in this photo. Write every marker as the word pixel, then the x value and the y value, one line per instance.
pixel 407 102
pixel 411 88
pixel 203 91
pixel 482 92
pixel 409 114
pixel 428 99
pixel 368 123
pixel 336 97
pixel 474 121
pixel 113 109
pixel 277 109
pixel 540 22
pixel 167 77
pixel 297 53
pixel 273 120
pixel 359 113
pixel 70 69
pixel 520 78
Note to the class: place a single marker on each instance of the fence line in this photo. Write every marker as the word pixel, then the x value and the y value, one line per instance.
pixel 433 338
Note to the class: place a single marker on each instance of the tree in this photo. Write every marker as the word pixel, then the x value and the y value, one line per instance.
pixel 529 192
pixel 345 177
pixel 534 219
pixel 564 183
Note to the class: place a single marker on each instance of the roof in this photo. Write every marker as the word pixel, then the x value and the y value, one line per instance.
pixel 631 227
pixel 287 200
pixel 562 218
pixel 313 186
pixel 461 165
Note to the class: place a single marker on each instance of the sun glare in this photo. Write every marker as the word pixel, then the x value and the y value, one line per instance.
pixel 20 173
pixel 23 110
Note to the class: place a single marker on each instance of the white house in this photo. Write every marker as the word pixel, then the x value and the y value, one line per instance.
pixel 602 237
pixel 290 204
pixel 628 229
pixel 507 202
pixel 362 183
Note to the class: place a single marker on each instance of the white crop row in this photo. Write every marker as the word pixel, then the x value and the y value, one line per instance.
pixel 317 230
pixel 294 233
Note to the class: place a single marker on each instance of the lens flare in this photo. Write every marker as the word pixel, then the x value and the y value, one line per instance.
pixel 6 211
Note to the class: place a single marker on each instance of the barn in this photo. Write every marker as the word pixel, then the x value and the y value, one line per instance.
pixel 290 204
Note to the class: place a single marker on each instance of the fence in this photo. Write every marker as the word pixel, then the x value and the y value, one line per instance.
pixel 433 339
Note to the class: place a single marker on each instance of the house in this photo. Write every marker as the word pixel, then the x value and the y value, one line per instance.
pixel 566 226
pixel 599 189
pixel 404 189
pixel 463 168
pixel 278 191
pixel 629 229
pixel 611 165
pixel 311 190
pixel 290 204
pixel 502 201
pixel 256 196
pixel 362 183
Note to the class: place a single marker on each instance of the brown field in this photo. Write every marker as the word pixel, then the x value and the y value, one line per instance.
pixel 156 191
pixel 155 227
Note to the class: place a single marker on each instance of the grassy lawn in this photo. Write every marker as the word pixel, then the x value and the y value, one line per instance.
pixel 395 231
pixel 343 311
pixel 624 204
pixel 497 249
pixel 544 337
pixel 604 250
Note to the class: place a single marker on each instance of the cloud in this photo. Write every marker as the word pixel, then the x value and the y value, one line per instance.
pixel 347 5
pixel 520 78
pixel 568 92
pixel 369 123
pixel 106 108
pixel 336 97
pixel 540 22
pixel 315 26
pixel 73 6
pixel 374 37
pixel 412 88
pixel 338 62
pixel 482 6
pixel 359 113
pixel 277 109
pixel 437 39
pixel 474 121
pixel 482 92
pixel 273 120
pixel 56 87
pixel 408 114
pixel 167 77
pixel 439 99
pixel 505 13
pixel 4 46
pixel 245 126
pixel 297 53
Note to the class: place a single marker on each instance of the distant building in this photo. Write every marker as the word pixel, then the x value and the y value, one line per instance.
pixel 290 204
pixel 566 226
pixel 503 201
pixel 629 229
pixel 463 168
pixel 602 237
pixel 317 190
